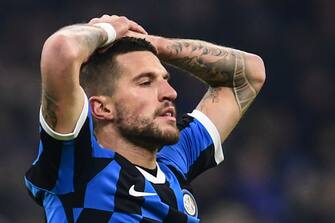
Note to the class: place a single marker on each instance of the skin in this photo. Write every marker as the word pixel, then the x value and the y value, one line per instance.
pixel 62 56
pixel 142 94
pixel 234 78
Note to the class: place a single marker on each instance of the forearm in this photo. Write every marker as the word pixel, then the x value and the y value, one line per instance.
pixel 72 44
pixel 62 56
pixel 217 66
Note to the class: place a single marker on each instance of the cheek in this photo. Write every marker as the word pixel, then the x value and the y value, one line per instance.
pixel 145 110
pixel 145 102
pixel 139 102
pixel 137 109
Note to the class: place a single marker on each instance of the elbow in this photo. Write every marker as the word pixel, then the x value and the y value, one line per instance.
pixel 59 51
pixel 255 70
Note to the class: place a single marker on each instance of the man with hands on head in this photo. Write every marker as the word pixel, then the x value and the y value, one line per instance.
pixel 110 148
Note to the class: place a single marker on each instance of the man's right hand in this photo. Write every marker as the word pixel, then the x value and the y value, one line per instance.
pixel 121 24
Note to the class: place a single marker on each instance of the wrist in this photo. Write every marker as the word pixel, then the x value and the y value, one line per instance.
pixel 160 43
pixel 109 30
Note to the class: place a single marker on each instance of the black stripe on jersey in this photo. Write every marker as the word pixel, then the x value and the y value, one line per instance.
pixel 184 184
pixel 85 163
pixel 92 167
pixel 128 177
pixel 38 197
pixel 67 202
pixel 89 215
pixel 184 122
pixel 44 173
pixel 166 194
pixel 175 216
pixel 148 220
pixel 83 157
pixel 206 158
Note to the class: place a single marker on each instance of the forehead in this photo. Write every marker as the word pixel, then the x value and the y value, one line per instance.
pixel 138 62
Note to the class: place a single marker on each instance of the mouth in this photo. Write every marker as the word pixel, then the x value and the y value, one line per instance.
pixel 169 113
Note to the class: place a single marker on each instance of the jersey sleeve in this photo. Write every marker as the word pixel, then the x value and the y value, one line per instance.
pixel 55 167
pixel 198 149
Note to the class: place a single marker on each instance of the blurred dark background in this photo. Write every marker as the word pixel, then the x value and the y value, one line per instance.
pixel 279 162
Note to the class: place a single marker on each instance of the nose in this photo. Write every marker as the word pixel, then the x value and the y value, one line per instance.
pixel 167 92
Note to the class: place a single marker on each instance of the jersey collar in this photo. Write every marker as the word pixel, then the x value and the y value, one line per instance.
pixel 159 179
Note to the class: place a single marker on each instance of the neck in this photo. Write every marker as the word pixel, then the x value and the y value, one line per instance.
pixel 137 155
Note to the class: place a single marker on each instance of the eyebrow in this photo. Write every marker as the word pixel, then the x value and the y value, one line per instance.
pixel 152 75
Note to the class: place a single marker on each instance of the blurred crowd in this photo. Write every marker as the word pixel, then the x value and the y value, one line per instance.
pixel 279 162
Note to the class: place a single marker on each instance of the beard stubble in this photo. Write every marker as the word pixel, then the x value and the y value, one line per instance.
pixel 143 131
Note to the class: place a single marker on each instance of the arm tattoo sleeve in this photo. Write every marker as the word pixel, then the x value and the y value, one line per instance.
pixel 88 37
pixel 49 106
pixel 217 66
pixel 243 90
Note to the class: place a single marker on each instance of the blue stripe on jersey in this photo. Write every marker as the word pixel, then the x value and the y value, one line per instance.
pixel 119 217
pixel 191 219
pixel 103 185
pixel 152 206
pixel 154 209
pixel 99 152
pixel 64 183
pixel 40 150
pixel 174 185
pixel 148 188
pixel 32 188
pixel 54 210
pixel 76 213
pixel 193 140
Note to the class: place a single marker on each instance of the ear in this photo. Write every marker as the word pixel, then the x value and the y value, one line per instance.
pixel 101 107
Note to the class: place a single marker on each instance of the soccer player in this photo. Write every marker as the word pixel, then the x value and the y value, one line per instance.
pixel 110 149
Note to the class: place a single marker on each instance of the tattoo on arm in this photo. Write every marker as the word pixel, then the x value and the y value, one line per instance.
pixel 215 65
pixel 87 36
pixel 84 39
pixel 243 90
pixel 211 95
pixel 49 106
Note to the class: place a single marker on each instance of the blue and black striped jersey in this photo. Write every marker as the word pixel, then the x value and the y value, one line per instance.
pixel 78 181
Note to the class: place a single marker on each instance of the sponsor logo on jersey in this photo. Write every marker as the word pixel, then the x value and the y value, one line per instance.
pixel 135 193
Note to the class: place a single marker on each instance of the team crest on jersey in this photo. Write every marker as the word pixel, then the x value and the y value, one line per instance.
pixel 190 205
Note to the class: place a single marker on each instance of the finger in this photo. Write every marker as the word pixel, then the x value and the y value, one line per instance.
pixel 136 27
pixel 135 34
pixel 93 21
pixel 106 17
pixel 121 28
pixel 114 17
pixel 143 30
pixel 133 25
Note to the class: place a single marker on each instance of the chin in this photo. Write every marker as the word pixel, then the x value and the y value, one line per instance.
pixel 150 135
pixel 170 135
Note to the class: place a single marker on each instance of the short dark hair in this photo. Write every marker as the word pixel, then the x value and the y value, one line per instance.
pixel 101 68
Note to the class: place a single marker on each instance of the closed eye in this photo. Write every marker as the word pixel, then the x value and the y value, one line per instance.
pixel 145 83
pixel 146 79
